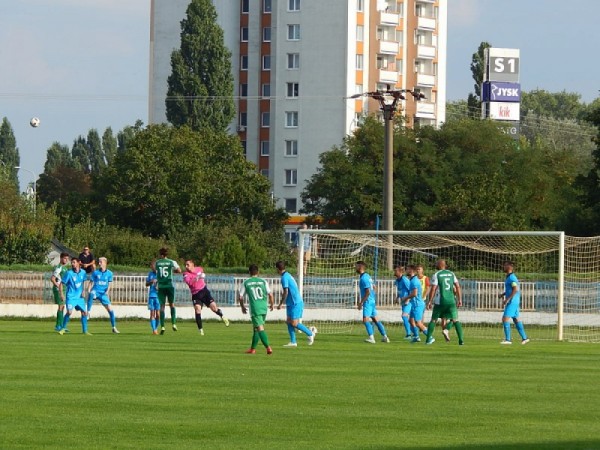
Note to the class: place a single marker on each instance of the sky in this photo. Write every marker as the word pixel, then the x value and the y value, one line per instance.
pixel 82 64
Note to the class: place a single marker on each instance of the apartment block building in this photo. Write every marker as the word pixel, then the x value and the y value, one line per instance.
pixel 296 62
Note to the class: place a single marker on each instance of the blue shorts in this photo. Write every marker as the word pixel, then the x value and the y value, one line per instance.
pixel 406 308
pixel 369 309
pixel 76 303
pixel 417 311
pixel 511 310
pixel 294 312
pixel 153 304
pixel 103 298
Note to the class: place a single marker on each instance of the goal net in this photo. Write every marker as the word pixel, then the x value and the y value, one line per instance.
pixel 559 277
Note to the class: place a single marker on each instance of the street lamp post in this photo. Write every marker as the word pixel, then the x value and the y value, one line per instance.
pixel 389 103
pixel 34 186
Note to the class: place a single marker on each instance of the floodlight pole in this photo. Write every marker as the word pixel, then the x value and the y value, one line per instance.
pixel 389 111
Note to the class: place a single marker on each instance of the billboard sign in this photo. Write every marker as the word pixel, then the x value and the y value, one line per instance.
pixel 499 91
pixel 502 64
pixel 504 111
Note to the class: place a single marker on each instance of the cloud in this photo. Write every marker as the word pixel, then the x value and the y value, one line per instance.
pixel 463 13
pixel 118 6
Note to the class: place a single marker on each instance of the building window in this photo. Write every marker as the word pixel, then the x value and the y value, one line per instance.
pixel 293 5
pixel 244 34
pixel 359 62
pixel 290 205
pixel 264 148
pixel 291 177
pixel 267 34
pixel 360 33
pixel 243 119
pixel 265 119
pixel 266 62
pixel 358 89
pixel 291 119
pixel 294 32
pixel 293 60
pixel 244 90
pixel 267 6
pixel 245 6
pixel 293 89
pixel 360 5
pixel 244 62
pixel 264 172
pixel 266 90
pixel 244 147
pixel 291 148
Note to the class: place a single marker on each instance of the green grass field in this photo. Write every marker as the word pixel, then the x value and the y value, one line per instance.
pixel 183 390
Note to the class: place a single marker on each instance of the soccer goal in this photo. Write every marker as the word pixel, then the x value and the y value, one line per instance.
pixel 559 275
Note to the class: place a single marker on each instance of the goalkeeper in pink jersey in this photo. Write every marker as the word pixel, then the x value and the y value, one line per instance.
pixel 194 277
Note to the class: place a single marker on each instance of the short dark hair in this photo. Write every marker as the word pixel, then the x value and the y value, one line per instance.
pixel 75 259
pixel 63 254
pixel 253 269
pixel 280 265
pixel 509 263
pixel 399 266
pixel 163 251
pixel 361 263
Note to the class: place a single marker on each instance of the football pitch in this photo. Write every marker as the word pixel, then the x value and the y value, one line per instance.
pixel 182 390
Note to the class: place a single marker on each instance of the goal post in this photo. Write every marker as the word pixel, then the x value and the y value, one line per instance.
pixel 559 276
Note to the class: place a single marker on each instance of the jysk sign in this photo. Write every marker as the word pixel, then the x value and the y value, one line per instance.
pixel 498 91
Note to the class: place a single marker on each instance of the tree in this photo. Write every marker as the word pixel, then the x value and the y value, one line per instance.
pixel 557 105
pixel 109 145
pixel 9 153
pixel 96 152
pixel 81 155
pixel 57 156
pixel 477 71
pixel 172 177
pixel 201 82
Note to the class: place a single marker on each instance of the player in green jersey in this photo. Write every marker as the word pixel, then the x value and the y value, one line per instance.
pixel 446 305
pixel 165 268
pixel 257 291
pixel 57 289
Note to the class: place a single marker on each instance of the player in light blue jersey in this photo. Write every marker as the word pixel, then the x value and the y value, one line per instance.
pixel 402 289
pixel 511 303
pixel 153 303
pixel 99 289
pixel 367 304
pixel 73 282
pixel 415 296
pixel 294 306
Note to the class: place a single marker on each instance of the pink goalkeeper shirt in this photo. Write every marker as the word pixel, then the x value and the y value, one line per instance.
pixel 195 279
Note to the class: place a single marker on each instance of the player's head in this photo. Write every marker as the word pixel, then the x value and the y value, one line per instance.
pixel 163 252
pixel 411 269
pixel 189 265
pixel 103 262
pixel 253 269
pixel 419 269
pixel 64 258
pixel 440 264
pixel 86 250
pixel 360 266
pixel 398 270
pixel 509 266
pixel 303 226
pixel 280 266
pixel 75 263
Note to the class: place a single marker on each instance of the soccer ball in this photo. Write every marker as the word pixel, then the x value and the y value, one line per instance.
pixel 34 122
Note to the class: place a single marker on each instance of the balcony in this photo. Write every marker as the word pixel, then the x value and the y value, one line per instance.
pixel 425 80
pixel 426 51
pixel 389 47
pixel 424 23
pixel 388 76
pixel 388 18
pixel 426 110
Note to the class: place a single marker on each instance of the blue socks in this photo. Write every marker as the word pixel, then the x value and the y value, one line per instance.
pixel 84 324
pixel 506 326
pixel 66 320
pixel 305 330
pixel 153 324
pixel 369 328
pixel 521 330
pixel 381 328
pixel 292 332
pixel 112 319
pixel 406 325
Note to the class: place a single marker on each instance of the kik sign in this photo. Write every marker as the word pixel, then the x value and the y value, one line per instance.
pixel 504 111
pixel 498 91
